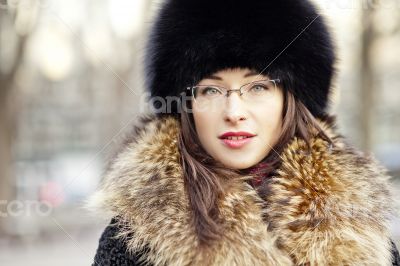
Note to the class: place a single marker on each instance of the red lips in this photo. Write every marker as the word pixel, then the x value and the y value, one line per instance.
pixel 240 133
pixel 236 143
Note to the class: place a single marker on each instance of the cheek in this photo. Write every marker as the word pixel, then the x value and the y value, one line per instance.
pixel 276 128
pixel 203 124
pixel 271 122
pixel 277 132
pixel 199 120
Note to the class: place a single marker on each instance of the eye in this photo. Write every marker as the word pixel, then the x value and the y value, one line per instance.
pixel 258 88
pixel 210 91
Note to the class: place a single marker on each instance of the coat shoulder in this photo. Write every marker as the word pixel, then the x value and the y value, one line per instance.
pixel 112 249
pixel 395 255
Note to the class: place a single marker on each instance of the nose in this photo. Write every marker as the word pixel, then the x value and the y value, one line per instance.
pixel 234 109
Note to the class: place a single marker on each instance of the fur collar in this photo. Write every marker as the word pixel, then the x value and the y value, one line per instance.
pixel 328 206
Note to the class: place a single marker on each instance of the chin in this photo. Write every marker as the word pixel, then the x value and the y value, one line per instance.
pixel 238 165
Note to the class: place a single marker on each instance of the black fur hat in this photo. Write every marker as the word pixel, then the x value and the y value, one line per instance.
pixel 285 39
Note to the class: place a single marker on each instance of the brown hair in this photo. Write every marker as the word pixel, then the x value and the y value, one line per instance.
pixel 205 178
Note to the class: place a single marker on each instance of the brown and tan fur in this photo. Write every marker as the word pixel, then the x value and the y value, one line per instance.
pixel 327 206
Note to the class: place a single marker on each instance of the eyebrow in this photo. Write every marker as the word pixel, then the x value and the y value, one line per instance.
pixel 252 73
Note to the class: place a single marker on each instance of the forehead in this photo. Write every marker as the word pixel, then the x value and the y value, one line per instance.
pixel 235 73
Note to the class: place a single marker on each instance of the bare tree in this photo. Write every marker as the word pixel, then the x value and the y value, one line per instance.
pixel 367 78
pixel 7 120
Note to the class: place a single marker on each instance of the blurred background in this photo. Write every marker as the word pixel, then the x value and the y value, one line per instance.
pixel 71 85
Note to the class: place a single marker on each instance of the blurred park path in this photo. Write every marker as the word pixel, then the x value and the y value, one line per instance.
pixel 76 247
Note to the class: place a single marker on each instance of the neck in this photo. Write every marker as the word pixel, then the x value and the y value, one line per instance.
pixel 259 171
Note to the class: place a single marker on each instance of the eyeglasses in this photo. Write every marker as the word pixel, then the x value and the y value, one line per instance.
pixel 256 91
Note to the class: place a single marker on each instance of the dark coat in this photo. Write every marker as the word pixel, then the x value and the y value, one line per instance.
pixel 328 207
pixel 113 252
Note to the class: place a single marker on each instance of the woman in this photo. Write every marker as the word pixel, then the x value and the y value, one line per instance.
pixel 240 164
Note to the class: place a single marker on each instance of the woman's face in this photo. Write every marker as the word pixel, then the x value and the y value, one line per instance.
pixel 261 118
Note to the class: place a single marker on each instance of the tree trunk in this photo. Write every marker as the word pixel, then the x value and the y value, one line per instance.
pixel 7 132
pixel 367 80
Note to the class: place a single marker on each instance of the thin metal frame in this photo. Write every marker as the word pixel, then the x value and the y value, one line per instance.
pixel 228 91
